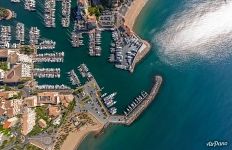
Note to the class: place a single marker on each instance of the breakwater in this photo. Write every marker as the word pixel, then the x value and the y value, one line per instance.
pixel 138 110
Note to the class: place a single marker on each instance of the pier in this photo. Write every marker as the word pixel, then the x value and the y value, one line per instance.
pixel 47 44
pixel 94 43
pixel 30 5
pixel 49 57
pixel 49 13
pixel 129 118
pixel 84 71
pixel 34 35
pixel 20 32
pixel 74 78
pixel 76 40
pixel 66 11
pixel 46 72
pixel 54 88
pixel 5 36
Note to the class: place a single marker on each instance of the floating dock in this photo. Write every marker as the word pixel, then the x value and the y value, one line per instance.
pixel 5 36
pixel 49 13
pixel 30 5
pixel 46 72
pixel 34 35
pixel 49 57
pixel 66 11
pixel 74 78
pixel 20 32
pixel 95 42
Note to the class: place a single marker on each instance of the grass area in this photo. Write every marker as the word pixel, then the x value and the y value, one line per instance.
pixel 20 86
pixel 6 132
pixel 31 147
pixel 41 113
pixel 3 13
pixel 78 91
pixel 71 105
pixel 28 50
pixel 87 98
pixel 4 66
pixel 6 88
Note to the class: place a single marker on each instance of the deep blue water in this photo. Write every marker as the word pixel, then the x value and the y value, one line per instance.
pixel 194 105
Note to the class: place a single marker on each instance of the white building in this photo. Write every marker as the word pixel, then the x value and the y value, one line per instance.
pixel 28 120
pixel 2 74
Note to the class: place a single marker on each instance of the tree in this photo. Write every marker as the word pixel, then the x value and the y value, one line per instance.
pixel 3 13
pixel 20 86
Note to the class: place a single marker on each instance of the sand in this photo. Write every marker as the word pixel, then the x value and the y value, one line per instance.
pixel 10 15
pixel 75 138
pixel 133 12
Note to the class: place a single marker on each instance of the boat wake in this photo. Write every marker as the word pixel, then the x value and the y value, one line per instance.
pixel 201 30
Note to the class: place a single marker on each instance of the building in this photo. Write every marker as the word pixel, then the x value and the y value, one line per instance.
pixel 20 65
pixel 3 55
pixel 48 98
pixel 14 74
pixel 2 74
pixel 54 111
pixel 30 101
pixel 10 108
pixel 8 94
pixel 57 120
pixel 66 99
pixel 42 123
pixel 28 120
pixel 10 122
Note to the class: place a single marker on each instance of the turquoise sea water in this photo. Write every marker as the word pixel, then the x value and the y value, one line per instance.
pixel 194 104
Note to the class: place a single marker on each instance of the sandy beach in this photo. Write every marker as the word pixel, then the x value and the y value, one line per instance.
pixel 74 138
pixel 133 12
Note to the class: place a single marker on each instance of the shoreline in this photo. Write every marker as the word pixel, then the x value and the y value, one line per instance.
pixel 80 134
pixel 130 17
pixel 133 12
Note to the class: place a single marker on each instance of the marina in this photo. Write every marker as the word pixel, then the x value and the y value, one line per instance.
pixel 135 110
pixel 84 71
pixel 34 35
pixel 55 57
pixel 76 39
pixel 66 10
pixel 30 5
pixel 95 42
pixel 109 100
pixel 5 36
pixel 124 48
pixel 20 32
pixel 135 103
pixel 49 13
pixel 46 72
pixel 53 87
pixel 15 1
pixel 47 44
pixel 74 78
